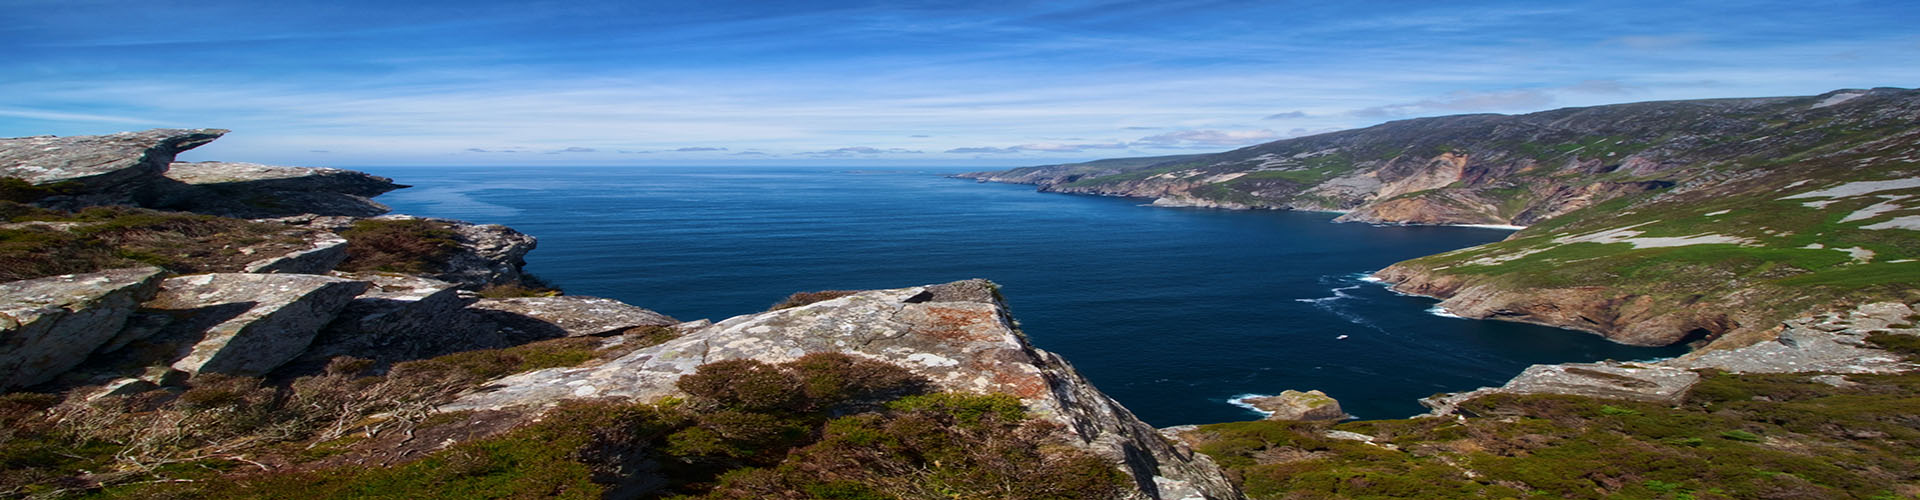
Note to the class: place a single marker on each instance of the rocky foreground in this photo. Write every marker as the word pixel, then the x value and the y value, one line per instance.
pixel 355 332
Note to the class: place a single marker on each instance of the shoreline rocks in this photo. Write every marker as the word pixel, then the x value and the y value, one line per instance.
pixel 1290 404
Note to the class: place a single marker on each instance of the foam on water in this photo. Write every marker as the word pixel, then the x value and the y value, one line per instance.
pixel 1241 401
pixel 1442 312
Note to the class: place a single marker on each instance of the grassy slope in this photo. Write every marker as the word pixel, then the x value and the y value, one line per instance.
pixel 1735 437
pixel 1778 268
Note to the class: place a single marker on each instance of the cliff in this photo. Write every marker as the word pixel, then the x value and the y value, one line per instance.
pixel 1494 169
pixel 234 318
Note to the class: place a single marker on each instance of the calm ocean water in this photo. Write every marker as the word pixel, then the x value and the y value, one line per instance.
pixel 1171 311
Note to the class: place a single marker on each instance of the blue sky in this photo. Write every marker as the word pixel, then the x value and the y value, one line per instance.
pixel 588 82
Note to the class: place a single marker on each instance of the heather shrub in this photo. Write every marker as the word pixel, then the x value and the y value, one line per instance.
pixel 833 379
pixel 743 384
pixel 803 298
pixel 399 245
pixel 113 237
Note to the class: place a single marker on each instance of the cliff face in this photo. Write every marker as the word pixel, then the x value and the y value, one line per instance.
pixel 1493 169
pixel 1648 223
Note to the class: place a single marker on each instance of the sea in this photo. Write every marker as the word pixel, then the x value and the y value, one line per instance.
pixel 1175 312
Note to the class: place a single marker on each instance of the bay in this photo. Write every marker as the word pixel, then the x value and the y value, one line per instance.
pixel 1173 312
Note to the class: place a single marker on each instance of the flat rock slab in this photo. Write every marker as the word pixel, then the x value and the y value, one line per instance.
pixel 956 335
pixel 1628 381
pixel 252 190
pixel 274 178
pixel 49 325
pixel 98 161
pixel 567 316
pixel 247 324
pixel 323 252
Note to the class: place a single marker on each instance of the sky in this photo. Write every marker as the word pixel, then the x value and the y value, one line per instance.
pixel 904 83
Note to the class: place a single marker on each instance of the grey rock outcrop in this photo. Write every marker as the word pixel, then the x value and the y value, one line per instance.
pixel 251 190
pixel 50 325
pixel 242 323
pixel 566 316
pixel 120 169
pixel 489 254
pixel 400 318
pixel 1829 343
pixel 1832 343
pixel 1296 405
pixel 1628 381
pixel 956 335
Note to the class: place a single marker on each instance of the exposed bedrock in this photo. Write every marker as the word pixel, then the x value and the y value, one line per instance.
pixel 1619 316
pixel 117 169
pixel 236 323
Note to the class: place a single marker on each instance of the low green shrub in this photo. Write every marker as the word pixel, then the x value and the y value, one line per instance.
pixel 17 190
pixel 1737 436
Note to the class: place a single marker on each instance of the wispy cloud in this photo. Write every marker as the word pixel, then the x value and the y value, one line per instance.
pixel 1286 115
pixel 859 150
pixel 75 117
pixel 1210 138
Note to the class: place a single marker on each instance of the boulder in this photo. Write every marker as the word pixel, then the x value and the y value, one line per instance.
pixel 251 190
pixel 566 316
pixel 1296 405
pixel 49 325
pixel 116 169
pixel 958 335
pixel 246 324
pixel 400 318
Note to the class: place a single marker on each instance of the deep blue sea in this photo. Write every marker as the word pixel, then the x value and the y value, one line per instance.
pixel 1171 311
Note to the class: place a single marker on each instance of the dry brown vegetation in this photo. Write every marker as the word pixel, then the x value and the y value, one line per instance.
pixel 803 298
pixel 399 245
pixel 49 242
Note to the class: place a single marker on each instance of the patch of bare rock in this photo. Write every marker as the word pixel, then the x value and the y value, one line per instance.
pixel 1832 344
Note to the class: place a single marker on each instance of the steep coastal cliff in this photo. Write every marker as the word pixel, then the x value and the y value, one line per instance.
pixel 1648 223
